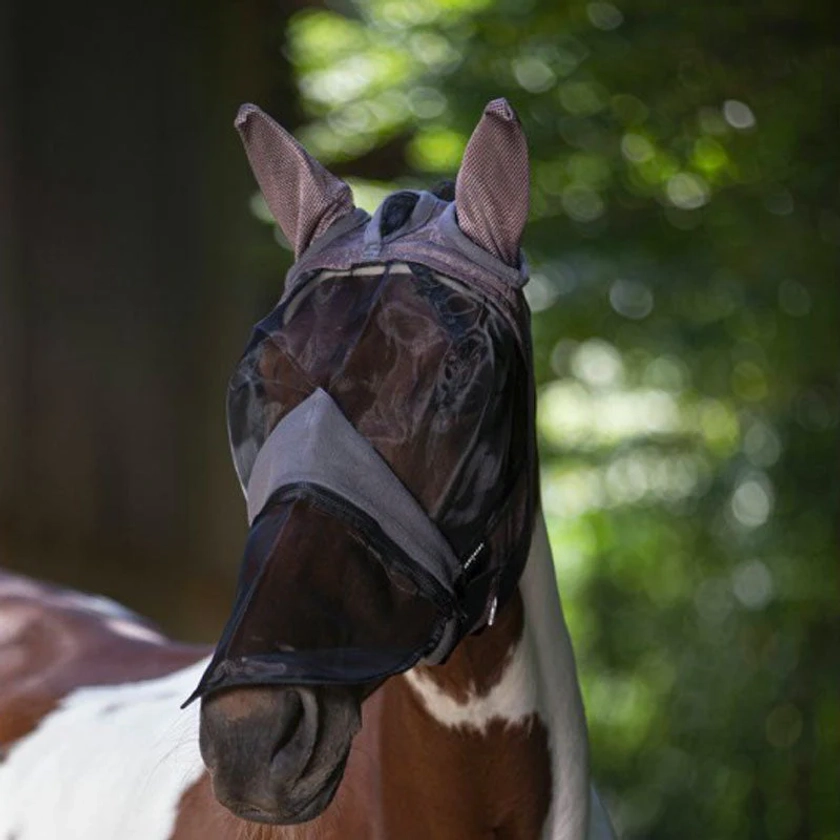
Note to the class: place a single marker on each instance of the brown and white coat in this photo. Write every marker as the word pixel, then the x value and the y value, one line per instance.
pixel 94 746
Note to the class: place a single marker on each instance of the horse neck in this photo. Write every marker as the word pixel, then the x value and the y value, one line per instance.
pixel 496 737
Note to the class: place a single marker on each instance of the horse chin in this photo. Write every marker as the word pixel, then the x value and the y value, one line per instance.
pixel 293 810
pixel 277 755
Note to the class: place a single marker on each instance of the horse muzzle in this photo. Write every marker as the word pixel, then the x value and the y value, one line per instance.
pixel 277 754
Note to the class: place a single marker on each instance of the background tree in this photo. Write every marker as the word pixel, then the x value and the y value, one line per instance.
pixel 684 238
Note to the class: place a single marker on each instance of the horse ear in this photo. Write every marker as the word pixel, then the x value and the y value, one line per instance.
pixel 302 195
pixel 492 188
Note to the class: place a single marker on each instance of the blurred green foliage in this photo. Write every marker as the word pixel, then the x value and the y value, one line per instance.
pixel 684 241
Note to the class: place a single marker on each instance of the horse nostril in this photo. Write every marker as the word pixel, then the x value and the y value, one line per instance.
pixel 256 733
pixel 294 715
pixel 294 743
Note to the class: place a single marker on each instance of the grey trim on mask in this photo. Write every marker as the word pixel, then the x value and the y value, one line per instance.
pixel 356 218
pixel 420 215
pixel 316 444
pixel 448 225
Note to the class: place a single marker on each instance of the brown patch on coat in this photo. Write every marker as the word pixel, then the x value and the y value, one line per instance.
pixel 462 783
pixel 53 644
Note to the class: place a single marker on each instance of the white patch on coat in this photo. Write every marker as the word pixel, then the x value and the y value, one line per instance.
pixel 96 604
pixel 13 621
pixel 576 810
pixel 132 630
pixel 512 699
pixel 99 605
pixel 16 587
pixel 110 762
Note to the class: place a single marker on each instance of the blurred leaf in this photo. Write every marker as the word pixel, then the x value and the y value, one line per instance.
pixel 683 241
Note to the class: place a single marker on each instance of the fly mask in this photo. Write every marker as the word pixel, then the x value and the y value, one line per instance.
pixel 381 420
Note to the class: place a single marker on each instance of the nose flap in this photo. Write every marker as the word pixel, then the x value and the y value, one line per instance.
pixel 321 600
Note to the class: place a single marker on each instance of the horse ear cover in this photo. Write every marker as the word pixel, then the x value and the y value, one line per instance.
pixel 302 195
pixel 492 188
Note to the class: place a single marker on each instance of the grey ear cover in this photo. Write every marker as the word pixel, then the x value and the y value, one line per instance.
pixel 492 189
pixel 304 198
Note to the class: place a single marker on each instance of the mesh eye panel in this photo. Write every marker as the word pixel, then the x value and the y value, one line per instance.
pixel 424 370
pixel 321 600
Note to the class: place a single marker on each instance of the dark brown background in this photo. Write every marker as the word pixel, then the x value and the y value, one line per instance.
pixel 129 270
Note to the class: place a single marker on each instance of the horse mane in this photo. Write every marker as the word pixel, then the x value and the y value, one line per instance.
pixel 396 210
pixel 399 206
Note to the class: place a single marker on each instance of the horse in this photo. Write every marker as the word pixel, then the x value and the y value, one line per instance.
pixel 396 665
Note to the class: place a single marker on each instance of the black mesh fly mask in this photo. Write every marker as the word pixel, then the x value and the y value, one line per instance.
pixel 381 421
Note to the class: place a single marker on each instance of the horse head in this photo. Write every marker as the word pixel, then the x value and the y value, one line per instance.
pixel 381 424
